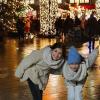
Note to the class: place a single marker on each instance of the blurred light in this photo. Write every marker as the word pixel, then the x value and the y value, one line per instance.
pixel 48 14
pixel 79 1
pixel 5 1
pixel 29 2
pixel 86 1
pixel 59 1
pixel 98 8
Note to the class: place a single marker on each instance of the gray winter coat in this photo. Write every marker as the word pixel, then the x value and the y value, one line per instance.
pixel 36 66
pixel 79 77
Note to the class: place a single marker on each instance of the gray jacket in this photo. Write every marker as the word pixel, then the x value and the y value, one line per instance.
pixel 79 77
pixel 36 66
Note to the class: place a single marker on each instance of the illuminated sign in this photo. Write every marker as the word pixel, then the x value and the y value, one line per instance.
pixel 79 1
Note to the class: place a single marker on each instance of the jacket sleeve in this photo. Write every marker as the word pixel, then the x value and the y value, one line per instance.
pixel 64 70
pixel 27 62
pixel 92 57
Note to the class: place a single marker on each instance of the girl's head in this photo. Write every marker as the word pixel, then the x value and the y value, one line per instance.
pixel 74 58
pixel 57 51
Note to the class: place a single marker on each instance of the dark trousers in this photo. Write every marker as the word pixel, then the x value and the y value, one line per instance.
pixel 91 44
pixel 36 92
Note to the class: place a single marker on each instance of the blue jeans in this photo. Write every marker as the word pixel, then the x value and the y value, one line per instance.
pixel 36 92
pixel 75 92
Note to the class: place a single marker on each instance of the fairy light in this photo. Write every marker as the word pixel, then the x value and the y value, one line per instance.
pixel 98 8
pixel 59 1
pixel 48 13
pixel 9 9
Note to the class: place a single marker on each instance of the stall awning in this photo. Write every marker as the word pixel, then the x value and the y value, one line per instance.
pixel 92 6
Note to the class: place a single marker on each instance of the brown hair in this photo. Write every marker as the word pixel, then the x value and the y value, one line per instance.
pixel 59 45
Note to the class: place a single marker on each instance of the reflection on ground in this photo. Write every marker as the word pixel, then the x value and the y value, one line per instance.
pixel 11 53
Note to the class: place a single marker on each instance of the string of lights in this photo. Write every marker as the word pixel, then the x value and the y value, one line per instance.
pixel 48 13
pixel 9 11
pixel 98 8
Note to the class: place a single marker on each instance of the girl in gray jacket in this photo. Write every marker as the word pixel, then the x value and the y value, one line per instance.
pixel 75 72
pixel 35 68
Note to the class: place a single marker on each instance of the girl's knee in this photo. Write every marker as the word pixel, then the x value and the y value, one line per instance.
pixel 78 93
pixel 71 97
pixel 71 93
pixel 78 89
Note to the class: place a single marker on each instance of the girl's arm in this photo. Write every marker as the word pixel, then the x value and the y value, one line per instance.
pixel 92 57
pixel 27 62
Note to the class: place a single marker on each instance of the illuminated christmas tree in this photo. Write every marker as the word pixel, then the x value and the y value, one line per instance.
pixel 8 14
pixel 98 8
pixel 48 13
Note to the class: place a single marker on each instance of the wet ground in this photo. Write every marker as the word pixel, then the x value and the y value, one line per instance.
pixel 11 53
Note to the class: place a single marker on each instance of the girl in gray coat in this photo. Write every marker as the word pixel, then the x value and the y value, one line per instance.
pixel 35 68
pixel 75 72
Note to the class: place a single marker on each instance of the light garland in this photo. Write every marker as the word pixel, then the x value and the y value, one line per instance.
pixel 48 13
pixel 98 8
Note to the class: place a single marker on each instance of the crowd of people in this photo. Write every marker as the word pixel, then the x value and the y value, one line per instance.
pixel 72 27
pixel 78 27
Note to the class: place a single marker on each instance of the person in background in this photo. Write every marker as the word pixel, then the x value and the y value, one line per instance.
pixel 27 26
pixel 92 30
pixel 75 71
pixel 20 28
pixel 35 68
pixel 58 26
pixel 91 42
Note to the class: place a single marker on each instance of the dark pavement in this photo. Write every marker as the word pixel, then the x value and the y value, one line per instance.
pixel 11 53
